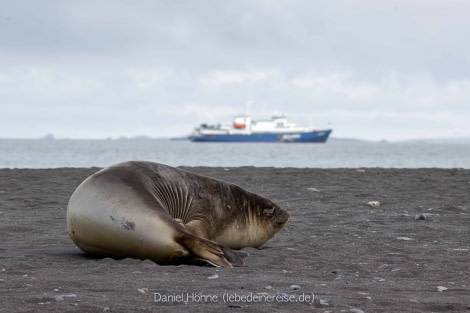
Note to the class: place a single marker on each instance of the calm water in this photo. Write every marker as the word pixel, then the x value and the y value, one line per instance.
pixel 88 153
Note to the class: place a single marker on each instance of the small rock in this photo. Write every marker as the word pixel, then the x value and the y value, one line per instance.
pixel 63 297
pixel 143 290
pixel 268 287
pixel 294 287
pixel 353 311
pixel 215 276
pixel 420 217
pixel 373 204
pixel 441 288
pixel 106 309
pixel 404 238
pixel 337 271
pixel 313 189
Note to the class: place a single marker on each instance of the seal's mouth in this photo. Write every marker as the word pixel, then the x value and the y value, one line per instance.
pixel 282 219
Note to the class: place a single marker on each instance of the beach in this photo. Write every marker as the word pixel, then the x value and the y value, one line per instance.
pixel 359 240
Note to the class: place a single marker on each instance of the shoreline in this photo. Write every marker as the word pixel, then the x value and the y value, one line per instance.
pixel 337 248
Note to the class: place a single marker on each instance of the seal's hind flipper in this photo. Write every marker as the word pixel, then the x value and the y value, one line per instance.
pixel 241 253
pixel 234 257
pixel 210 252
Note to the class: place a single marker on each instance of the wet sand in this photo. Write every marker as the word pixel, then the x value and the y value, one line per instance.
pixel 409 254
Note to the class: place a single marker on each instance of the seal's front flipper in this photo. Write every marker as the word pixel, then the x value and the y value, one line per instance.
pixel 210 252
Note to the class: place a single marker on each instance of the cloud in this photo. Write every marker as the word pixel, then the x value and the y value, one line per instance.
pixel 172 60
pixel 336 84
pixel 236 77
pixel 148 79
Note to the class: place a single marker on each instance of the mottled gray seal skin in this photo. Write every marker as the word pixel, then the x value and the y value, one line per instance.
pixel 147 210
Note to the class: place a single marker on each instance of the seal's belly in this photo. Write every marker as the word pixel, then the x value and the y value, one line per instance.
pixel 120 226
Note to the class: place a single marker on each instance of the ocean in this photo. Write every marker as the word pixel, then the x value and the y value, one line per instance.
pixel 42 153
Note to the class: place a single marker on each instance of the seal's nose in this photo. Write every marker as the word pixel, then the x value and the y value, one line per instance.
pixel 282 219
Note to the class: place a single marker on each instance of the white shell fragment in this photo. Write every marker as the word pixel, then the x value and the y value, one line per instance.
pixel 373 203
pixel 404 238
pixel 215 276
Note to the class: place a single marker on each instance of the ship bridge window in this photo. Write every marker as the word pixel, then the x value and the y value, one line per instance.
pixel 279 124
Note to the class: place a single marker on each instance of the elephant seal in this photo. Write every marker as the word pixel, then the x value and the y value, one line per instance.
pixel 147 210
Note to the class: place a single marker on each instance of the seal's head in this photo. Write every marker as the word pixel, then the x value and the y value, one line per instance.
pixel 258 219
pixel 267 219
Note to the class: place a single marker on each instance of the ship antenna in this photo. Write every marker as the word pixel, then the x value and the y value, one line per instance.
pixel 209 116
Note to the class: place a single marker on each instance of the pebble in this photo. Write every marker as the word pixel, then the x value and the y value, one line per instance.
pixel 420 217
pixel 215 276
pixel 441 288
pixel 313 189
pixel 373 204
pixel 338 271
pixel 63 297
pixel 143 290
pixel 106 309
pixel 404 238
pixel 294 287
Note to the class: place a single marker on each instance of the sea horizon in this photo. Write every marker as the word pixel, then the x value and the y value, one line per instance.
pixel 336 153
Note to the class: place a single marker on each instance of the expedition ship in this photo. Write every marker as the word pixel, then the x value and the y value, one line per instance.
pixel 244 129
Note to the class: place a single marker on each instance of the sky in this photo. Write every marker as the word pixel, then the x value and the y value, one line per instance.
pixel 375 70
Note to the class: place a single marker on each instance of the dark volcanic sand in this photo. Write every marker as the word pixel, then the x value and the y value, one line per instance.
pixel 351 256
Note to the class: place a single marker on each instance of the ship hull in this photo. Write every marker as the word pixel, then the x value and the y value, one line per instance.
pixel 319 136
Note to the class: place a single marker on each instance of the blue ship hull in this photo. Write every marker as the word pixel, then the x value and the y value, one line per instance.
pixel 318 136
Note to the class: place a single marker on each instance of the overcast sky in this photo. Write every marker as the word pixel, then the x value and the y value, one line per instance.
pixel 369 69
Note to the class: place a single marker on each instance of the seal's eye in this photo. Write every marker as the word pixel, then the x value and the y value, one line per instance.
pixel 268 211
